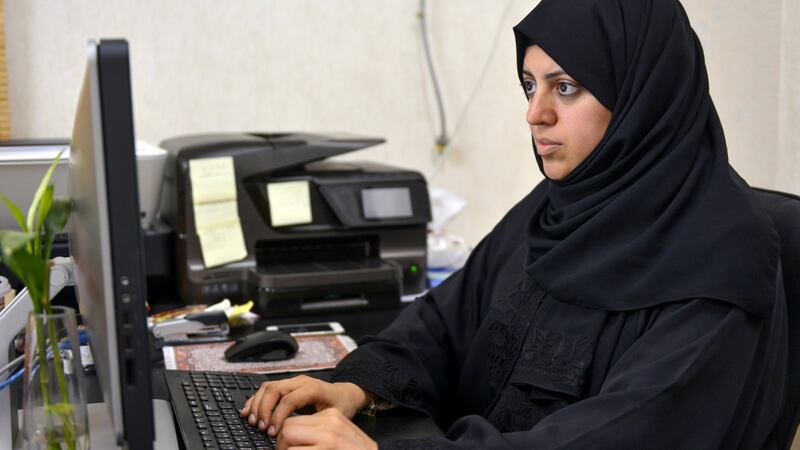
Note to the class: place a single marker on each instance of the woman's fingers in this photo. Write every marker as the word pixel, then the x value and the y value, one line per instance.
pixel 260 405
pixel 251 405
pixel 328 429
pixel 298 435
pixel 308 394
pixel 275 401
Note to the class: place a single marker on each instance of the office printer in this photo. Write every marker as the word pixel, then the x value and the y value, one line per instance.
pixel 364 246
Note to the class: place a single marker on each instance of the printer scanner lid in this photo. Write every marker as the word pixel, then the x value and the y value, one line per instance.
pixel 286 149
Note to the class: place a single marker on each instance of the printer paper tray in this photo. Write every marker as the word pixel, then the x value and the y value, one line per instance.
pixel 325 273
pixel 322 287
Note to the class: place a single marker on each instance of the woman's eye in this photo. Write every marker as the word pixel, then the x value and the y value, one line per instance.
pixel 565 88
pixel 530 87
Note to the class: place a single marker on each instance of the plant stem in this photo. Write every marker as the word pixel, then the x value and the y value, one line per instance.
pixel 42 356
pixel 45 339
pixel 66 415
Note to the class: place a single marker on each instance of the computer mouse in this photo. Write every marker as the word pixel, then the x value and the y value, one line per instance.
pixel 262 346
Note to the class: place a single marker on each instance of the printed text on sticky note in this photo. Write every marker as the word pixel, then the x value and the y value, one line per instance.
pixel 289 203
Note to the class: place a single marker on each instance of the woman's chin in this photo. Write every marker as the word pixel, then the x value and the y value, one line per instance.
pixel 555 172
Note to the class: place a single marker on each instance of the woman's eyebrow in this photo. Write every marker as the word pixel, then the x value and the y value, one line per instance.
pixel 554 74
pixel 547 76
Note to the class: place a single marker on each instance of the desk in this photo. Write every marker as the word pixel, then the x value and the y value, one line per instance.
pixel 393 424
pixel 357 324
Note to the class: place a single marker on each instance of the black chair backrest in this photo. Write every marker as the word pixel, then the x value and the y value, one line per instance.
pixel 785 212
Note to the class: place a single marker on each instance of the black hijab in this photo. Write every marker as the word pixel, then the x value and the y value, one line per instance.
pixel 655 213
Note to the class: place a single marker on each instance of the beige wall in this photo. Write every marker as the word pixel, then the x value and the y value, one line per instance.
pixel 358 66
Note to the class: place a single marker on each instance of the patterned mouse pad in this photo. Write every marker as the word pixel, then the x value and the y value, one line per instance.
pixel 314 353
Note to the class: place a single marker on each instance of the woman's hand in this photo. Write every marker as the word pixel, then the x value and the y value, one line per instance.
pixel 328 429
pixel 276 400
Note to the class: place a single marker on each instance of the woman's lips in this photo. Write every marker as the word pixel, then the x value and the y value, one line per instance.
pixel 546 146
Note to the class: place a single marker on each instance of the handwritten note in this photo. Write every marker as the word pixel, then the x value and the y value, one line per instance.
pixel 222 244
pixel 216 213
pixel 209 215
pixel 289 203
pixel 213 179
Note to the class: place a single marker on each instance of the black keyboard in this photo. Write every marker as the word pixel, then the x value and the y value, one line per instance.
pixel 207 406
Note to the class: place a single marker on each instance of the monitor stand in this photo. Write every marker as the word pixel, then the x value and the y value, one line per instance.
pixel 101 433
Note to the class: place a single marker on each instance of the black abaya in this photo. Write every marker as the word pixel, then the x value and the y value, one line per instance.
pixel 500 364
pixel 634 304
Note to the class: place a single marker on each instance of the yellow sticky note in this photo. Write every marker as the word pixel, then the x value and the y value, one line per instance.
pixel 222 244
pixel 213 179
pixel 216 213
pixel 208 215
pixel 289 203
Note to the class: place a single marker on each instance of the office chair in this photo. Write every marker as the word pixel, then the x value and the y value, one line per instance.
pixel 785 212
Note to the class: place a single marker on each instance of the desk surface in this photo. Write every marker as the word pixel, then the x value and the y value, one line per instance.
pixel 393 424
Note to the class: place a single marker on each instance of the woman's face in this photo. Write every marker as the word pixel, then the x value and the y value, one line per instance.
pixel 566 121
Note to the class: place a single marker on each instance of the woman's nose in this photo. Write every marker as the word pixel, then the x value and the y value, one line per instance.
pixel 540 111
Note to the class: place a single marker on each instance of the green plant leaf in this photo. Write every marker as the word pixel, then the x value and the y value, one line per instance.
pixel 40 191
pixel 14 241
pixel 43 209
pixel 30 269
pixel 15 211
pixel 55 221
pixel 44 206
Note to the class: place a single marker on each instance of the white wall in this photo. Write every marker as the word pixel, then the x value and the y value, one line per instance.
pixel 358 66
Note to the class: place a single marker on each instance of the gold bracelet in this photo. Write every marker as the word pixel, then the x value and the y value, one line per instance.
pixel 372 407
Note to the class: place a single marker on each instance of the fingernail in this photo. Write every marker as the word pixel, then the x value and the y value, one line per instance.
pixel 252 419
pixel 261 425
pixel 243 412
pixel 271 430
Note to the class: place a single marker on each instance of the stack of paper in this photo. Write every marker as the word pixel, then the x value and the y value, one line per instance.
pixel 216 213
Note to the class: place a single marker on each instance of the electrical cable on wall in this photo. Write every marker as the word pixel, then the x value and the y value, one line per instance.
pixel 443 140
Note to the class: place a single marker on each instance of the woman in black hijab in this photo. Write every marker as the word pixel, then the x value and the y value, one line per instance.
pixel 631 300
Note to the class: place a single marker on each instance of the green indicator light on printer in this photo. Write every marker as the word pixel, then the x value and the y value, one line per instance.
pixel 413 268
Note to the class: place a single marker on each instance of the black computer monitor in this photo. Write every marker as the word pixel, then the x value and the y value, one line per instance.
pixel 106 243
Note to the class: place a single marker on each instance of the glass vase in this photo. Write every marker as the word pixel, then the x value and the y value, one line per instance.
pixel 54 408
